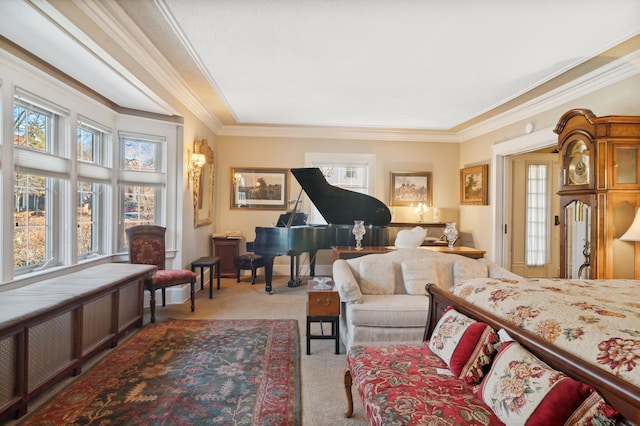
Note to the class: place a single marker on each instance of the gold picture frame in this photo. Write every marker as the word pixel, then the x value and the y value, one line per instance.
pixel 203 189
pixel 474 185
pixel 259 188
pixel 411 188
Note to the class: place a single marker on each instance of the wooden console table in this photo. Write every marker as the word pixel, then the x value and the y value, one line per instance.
pixel 349 252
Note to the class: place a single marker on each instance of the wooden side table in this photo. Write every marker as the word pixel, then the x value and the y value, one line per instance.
pixel 211 263
pixel 227 249
pixel 323 306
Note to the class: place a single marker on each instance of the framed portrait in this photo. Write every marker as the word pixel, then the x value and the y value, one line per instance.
pixel 411 188
pixel 473 185
pixel 259 188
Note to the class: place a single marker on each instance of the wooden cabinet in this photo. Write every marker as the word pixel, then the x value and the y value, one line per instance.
pixel 226 249
pixel 599 193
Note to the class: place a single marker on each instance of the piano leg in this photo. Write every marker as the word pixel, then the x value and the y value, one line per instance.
pixel 268 272
pixel 295 280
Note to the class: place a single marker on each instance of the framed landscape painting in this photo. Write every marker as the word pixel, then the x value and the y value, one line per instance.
pixel 473 185
pixel 410 188
pixel 259 188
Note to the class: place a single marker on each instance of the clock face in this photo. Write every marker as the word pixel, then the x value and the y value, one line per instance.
pixel 579 170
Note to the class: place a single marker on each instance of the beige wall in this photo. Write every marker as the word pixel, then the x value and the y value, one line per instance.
pixel 195 241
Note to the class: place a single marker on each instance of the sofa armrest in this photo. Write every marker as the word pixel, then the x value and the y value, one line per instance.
pixel 346 283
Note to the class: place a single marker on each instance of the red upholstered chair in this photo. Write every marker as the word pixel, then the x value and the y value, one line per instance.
pixel 146 246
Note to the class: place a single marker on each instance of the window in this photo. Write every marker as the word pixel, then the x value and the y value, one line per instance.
pixel 141 180
pixel 536 214
pixel 37 179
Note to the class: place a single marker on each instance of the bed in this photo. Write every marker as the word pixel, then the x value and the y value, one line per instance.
pixel 588 329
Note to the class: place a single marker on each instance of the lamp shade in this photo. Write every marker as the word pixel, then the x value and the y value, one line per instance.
pixel 633 233
pixel 198 160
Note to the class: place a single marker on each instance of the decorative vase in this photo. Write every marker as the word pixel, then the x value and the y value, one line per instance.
pixel 358 232
pixel 451 233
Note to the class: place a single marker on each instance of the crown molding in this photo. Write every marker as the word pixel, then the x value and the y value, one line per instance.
pixel 607 75
pixel 117 24
pixel 348 133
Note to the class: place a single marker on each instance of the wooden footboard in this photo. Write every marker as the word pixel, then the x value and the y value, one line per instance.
pixel 621 395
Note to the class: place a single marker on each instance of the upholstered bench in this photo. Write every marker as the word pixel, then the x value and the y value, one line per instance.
pixel 455 378
pixel 248 261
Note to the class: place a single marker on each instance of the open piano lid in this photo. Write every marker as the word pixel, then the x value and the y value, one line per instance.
pixel 340 206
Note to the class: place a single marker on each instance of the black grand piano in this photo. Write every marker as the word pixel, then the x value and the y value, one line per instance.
pixel 339 207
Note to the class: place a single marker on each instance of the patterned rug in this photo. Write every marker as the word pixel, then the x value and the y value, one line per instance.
pixel 227 372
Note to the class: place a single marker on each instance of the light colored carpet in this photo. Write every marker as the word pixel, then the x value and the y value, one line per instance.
pixel 323 397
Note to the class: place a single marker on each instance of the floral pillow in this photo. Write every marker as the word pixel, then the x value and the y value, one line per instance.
pixel 521 389
pixel 464 344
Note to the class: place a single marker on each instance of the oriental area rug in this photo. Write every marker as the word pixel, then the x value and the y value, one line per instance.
pixel 182 372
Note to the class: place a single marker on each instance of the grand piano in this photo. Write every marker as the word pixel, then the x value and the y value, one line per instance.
pixel 339 207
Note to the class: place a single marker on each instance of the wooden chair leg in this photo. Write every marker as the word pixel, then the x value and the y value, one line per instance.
pixel 152 304
pixel 347 390
pixel 193 296
pixel 164 298
pixel 238 275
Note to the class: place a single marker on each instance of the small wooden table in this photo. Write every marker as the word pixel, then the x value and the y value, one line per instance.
pixel 323 305
pixel 207 262
pixel 349 252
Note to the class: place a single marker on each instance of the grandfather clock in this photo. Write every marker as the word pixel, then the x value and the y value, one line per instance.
pixel 599 193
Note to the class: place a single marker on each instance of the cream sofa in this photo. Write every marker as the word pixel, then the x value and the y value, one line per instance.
pixel 383 297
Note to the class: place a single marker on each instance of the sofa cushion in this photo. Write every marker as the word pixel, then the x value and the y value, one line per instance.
pixel 497 271
pixel 400 310
pixel 521 389
pixel 465 269
pixel 348 288
pixel 464 344
pixel 377 277
pixel 418 272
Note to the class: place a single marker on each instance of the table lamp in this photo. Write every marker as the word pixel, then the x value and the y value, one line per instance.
pixel 633 234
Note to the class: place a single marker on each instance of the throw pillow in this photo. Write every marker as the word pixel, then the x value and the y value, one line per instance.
pixel 418 272
pixel 464 344
pixel 521 389
pixel 377 277
pixel 465 269
pixel 346 284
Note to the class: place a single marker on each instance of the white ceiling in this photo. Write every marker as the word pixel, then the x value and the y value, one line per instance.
pixel 359 63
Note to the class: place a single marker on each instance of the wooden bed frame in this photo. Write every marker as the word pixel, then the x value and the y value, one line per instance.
pixel 621 395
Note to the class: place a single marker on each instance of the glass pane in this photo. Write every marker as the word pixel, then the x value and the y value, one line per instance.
pixel 626 164
pixel 87 212
pixel 31 127
pixel 139 205
pixel 578 220
pixel 536 215
pixel 141 155
pixel 88 141
pixel 30 230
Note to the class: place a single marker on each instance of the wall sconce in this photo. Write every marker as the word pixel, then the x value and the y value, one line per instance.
pixel 197 162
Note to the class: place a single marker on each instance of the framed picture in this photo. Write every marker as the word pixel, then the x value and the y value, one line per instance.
pixel 473 185
pixel 259 188
pixel 410 188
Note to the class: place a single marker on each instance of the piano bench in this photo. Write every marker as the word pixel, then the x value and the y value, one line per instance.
pixel 248 261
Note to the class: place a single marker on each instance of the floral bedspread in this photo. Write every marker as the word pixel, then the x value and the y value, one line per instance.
pixel 596 320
